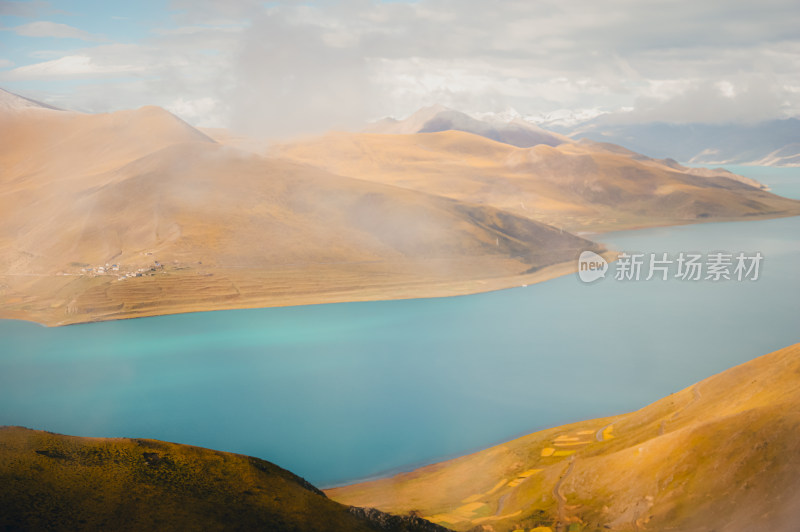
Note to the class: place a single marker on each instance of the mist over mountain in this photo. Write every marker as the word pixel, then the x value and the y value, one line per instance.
pixel 136 212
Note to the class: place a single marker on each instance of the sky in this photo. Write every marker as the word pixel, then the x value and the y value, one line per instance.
pixel 289 67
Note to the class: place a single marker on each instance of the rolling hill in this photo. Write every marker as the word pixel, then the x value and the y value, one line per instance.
pixel 577 186
pixel 136 213
pixel 54 482
pixel 721 455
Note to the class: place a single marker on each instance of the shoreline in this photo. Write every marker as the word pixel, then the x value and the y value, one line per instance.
pixel 399 290
pixel 424 290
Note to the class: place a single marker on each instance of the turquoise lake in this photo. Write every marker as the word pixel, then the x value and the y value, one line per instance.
pixel 347 391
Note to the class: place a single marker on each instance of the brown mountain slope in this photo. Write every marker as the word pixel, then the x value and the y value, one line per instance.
pixel 48 147
pixel 721 455
pixel 577 186
pixel 136 213
pixel 54 482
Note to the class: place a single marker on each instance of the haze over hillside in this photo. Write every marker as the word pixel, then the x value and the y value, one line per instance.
pixel 137 213
pixel 720 455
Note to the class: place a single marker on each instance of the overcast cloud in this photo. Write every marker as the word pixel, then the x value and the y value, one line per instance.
pixel 281 68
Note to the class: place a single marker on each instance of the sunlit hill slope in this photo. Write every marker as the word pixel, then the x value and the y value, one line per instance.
pixel 578 186
pixel 721 455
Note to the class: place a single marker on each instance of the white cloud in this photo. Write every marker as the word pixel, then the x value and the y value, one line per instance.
pixel 51 54
pixel 30 8
pixel 198 30
pixel 746 99
pixel 663 90
pixel 285 67
pixel 663 58
pixel 71 66
pixel 285 80
pixel 6 63
pixel 726 89
pixel 44 28
pixel 202 112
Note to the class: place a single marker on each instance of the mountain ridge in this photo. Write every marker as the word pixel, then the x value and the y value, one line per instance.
pixel 767 143
pixel 10 101
pixel 437 118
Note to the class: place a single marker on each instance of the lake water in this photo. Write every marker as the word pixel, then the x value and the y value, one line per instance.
pixel 346 391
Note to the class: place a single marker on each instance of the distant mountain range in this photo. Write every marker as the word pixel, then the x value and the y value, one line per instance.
pixel 507 129
pixel 767 143
pixel 771 143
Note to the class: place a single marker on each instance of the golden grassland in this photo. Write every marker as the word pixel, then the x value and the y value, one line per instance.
pixel 720 455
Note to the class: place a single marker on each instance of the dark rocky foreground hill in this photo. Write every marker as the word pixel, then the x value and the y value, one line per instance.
pixel 55 482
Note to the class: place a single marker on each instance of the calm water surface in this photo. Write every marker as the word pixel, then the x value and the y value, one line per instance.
pixel 345 391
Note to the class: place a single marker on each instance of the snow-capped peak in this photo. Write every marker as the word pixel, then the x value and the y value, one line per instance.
pixel 508 115
pixel 565 117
